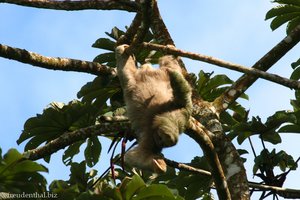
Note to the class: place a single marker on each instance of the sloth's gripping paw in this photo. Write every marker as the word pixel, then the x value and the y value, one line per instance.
pixel 142 159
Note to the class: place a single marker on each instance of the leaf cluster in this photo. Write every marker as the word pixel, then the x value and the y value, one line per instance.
pixel 288 11
pixel 17 174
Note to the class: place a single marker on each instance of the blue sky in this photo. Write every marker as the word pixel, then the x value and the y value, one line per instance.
pixel 231 30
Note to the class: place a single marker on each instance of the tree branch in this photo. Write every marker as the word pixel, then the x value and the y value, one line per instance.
pixel 126 5
pixel 64 64
pixel 200 134
pixel 143 29
pixel 186 167
pixel 161 32
pixel 69 138
pixel 233 167
pixel 283 192
pixel 209 59
pixel 266 62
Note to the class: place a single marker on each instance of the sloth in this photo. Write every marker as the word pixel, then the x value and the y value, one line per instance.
pixel 158 105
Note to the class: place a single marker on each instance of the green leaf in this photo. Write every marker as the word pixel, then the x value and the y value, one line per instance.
pixel 238 109
pixel 242 136
pixel 281 19
pixel 288 11
pixel 282 10
pixel 99 91
pixel 155 192
pixel 71 151
pixel 279 118
pixel 215 82
pixel 194 191
pixel 290 2
pixel 291 128
pixel 105 43
pixel 202 80
pixel 105 58
pixel 272 137
pixel 115 33
pixel 57 119
pixel 293 24
pixel 79 176
pixel 296 64
pixel 296 74
pixel 133 186
pixel 92 151
pixel 16 170
pixel 295 104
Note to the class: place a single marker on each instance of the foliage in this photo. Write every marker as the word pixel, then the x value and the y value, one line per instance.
pixel 269 160
pixel 79 186
pixel 109 44
pixel 287 12
pixel 17 174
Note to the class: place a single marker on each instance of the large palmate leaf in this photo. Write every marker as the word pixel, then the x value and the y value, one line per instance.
pixel 99 91
pixel 287 12
pixel 55 120
pixel 210 87
pixel 280 122
pixel 270 160
pixel 18 174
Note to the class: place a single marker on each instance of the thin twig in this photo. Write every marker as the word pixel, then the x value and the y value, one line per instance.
pixel 186 167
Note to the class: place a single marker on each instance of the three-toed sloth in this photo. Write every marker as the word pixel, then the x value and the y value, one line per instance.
pixel 158 105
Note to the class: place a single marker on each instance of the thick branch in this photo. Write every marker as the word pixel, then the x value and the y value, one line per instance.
pixel 127 5
pixel 230 160
pixel 209 59
pixel 159 28
pixel 131 30
pixel 64 64
pixel 161 33
pixel 199 134
pixel 144 25
pixel 266 62
pixel 71 137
